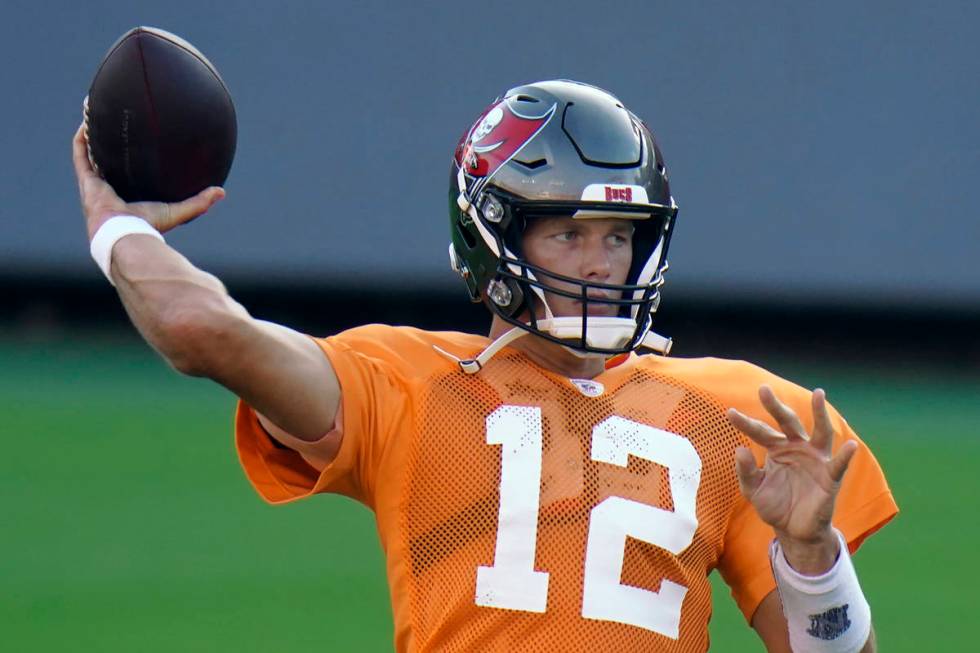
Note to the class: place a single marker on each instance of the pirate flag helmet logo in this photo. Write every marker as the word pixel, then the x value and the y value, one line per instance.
pixel 496 137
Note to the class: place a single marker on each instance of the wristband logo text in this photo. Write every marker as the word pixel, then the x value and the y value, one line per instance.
pixel 830 624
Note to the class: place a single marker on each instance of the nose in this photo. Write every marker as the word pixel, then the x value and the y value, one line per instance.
pixel 596 260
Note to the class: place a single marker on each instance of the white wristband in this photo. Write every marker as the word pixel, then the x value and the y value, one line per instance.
pixel 826 613
pixel 110 232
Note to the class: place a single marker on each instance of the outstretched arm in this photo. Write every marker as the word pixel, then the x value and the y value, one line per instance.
pixel 794 492
pixel 189 318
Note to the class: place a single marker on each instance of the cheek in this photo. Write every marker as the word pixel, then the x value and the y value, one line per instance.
pixel 621 261
pixel 550 256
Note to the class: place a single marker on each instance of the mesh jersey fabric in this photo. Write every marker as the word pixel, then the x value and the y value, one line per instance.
pixel 429 449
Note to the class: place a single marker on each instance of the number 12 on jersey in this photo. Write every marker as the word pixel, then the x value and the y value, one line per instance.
pixel 513 583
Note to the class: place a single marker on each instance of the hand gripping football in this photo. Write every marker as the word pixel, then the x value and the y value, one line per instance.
pixel 160 121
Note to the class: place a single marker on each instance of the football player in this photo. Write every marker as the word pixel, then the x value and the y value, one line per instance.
pixel 544 488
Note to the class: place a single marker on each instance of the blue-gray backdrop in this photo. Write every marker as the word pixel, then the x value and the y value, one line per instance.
pixel 818 151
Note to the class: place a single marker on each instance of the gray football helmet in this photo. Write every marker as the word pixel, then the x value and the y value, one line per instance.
pixel 560 148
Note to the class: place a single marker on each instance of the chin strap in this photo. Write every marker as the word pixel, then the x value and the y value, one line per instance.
pixel 652 341
pixel 474 365
pixel 657 343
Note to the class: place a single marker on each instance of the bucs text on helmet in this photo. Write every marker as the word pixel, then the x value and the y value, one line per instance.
pixel 560 148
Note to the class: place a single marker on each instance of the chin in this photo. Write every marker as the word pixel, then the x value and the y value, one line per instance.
pixel 595 310
pixel 603 312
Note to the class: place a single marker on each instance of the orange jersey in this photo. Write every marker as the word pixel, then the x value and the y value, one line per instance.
pixel 520 510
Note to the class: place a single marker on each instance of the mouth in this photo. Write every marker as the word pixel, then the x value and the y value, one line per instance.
pixel 598 306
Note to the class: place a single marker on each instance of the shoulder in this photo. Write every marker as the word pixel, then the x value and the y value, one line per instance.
pixel 384 337
pixel 706 371
pixel 402 346
pixel 734 383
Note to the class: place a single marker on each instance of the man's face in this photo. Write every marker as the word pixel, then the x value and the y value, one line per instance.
pixel 597 250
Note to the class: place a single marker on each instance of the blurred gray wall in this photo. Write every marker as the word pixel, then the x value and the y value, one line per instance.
pixel 818 151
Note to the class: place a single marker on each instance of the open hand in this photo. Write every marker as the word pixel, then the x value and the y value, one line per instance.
pixel 795 489
pixel 100 202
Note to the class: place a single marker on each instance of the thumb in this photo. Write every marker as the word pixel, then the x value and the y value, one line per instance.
pixel 838 464
pixel 749 475
pixel 198 205
pixel 168 216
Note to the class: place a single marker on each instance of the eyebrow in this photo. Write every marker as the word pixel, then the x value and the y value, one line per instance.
pixel 625 227
pixel 567 221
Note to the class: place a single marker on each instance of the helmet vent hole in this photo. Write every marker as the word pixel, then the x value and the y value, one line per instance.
pixel 532 165
pixel 527 98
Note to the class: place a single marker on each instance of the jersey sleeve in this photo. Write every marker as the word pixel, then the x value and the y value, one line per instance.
pixel 864 504
pixel 374 396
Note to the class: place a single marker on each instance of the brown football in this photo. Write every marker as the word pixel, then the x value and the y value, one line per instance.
pixel 161 123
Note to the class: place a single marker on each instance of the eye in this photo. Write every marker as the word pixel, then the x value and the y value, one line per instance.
pixel 619 240
pixel 566 236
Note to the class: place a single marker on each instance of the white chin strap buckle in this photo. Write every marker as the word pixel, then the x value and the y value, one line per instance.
pixel 657 343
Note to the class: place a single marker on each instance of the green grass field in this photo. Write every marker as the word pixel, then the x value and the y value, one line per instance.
pixel 127 525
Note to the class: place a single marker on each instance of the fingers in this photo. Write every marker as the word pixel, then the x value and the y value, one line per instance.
pixel 749 476
pixel 783 414
pixel 79 155
pixel 823 428
pixel 760 432
pixel 838 464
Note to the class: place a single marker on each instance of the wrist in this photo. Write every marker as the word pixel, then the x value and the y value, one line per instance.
pixel 826 613
pixel 94 224
pixel 813 556
pixel 98 217
pixel 110 232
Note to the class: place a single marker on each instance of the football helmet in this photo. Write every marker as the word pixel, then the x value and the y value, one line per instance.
pixel 560 148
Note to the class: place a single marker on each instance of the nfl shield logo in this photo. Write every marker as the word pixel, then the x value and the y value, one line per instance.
pixel 830 624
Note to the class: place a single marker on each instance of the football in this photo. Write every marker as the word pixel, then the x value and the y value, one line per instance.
pixel 160 121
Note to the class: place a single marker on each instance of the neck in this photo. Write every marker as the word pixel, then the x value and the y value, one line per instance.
pixel 551 356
